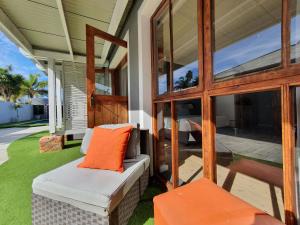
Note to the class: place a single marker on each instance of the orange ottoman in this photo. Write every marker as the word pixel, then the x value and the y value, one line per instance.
pixel 204 203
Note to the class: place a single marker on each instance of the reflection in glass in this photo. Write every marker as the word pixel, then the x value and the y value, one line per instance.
pixel 296 92
pixel 249 149
pixel 98 45
pixel 189 140
pixel 164 142
pixel 122 81
pixel 185 44
pixel 295 30
pixel 162 51
pixel 247 36
pixel 103 83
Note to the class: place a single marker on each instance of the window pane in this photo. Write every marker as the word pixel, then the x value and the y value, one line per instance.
pixel 103 83
pixel 295 30
pixel 189 140
pixel 98 45
pixel 122 81
pixel 164 135
pixel 162 51
pixel 247 36
pixel 297 143
pixel 249 150
pixel 185 44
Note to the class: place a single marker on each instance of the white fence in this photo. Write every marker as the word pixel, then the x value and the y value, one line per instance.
pixel 8 112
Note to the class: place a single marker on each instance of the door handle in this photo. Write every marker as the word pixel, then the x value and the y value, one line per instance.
pixel 93 100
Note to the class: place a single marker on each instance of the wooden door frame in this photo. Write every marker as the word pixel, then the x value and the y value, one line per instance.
pixel 91 33
pixel 281 78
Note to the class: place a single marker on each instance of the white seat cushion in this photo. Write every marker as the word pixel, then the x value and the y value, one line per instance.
pixel 90 189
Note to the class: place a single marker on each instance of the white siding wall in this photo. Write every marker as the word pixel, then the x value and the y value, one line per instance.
pixel 75 101
pixel 9 114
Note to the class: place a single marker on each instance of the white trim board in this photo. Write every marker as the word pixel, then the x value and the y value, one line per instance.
pixel 145 12
pixel 65 27
pixel 59 56
pixel 113 26
pixel 144 50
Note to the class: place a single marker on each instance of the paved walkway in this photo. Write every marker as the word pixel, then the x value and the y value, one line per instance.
pixel 9 135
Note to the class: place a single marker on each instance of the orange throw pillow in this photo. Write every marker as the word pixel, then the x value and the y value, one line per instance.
pixel 107 149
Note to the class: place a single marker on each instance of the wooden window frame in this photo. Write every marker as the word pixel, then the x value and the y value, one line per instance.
pixel 282 78
pixel 169 185
pixel 171 94
pixel 174 139
pixel 114 73
pixel 285 69
pixel 161 9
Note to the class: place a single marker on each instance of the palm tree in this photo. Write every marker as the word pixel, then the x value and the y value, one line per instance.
pixel 186 81
pixel 32 87
pixel 10 84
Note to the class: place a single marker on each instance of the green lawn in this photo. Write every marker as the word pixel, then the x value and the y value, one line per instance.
pixel 143 214
pixel 29 123
pixel 26 163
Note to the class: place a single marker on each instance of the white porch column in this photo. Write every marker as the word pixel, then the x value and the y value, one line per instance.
pixel 144 56
pixel 51 95
pixel 58 97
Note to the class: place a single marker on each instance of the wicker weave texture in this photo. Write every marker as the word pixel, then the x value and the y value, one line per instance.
pixel 47 211
pixel 144 181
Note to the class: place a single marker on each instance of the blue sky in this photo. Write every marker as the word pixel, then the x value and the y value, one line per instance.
pixel 242 51
pixel 295 25
pixel 10 55
pixel 254 46
pixel 247 49
pixel 238 53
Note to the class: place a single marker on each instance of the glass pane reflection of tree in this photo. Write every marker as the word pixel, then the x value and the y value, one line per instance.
pixel 185 44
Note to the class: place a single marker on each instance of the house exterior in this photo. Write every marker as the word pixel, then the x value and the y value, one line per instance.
pixel 216 83
pixel 40 108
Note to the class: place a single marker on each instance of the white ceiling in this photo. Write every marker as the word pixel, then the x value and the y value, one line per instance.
pixel 40 22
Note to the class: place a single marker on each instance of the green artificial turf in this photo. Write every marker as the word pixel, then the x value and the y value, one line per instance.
pixel 143 214
pixel 16 175
pixel 25 163
pixel 29 123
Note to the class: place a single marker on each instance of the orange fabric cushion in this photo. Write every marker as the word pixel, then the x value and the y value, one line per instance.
pixel 204 203
pixel 107 149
